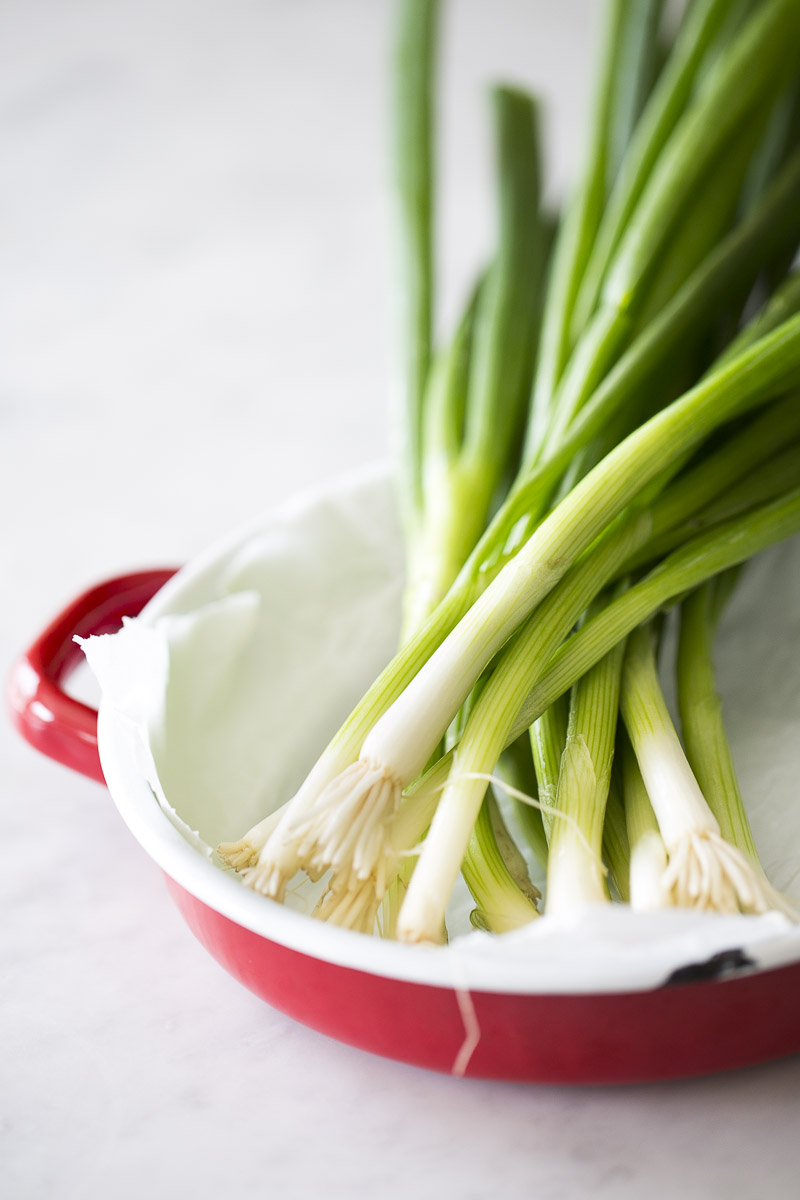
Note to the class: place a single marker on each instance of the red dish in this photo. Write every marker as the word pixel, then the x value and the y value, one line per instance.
pixel 689 1026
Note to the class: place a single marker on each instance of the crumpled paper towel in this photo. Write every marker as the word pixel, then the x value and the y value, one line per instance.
pixel 238 673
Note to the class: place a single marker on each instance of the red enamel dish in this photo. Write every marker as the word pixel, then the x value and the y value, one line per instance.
pixel 393 1000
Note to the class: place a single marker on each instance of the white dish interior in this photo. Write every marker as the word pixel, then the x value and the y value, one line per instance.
pixel 217 699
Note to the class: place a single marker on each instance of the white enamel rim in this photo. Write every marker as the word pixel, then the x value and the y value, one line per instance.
pixel 223 892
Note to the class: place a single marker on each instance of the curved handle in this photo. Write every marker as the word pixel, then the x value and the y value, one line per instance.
pixel 54 723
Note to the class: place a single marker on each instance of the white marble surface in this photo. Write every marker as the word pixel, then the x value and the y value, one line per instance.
pixel 193 324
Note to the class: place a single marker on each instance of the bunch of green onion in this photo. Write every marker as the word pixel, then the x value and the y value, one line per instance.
pixel 611 431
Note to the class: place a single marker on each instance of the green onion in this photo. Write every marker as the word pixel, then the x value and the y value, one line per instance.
pixel 736 256
pixel 721 110
pixel 575 238
pixel 769 480
pixel 667 103
pixel 487 728
pixel 548 736
pixel 636 51
pixel 715 206
pixel 707 746
pixel 475 411
pixel 496 875
pixel 704 870
pixel 517 776
pixel 435 544
pixel 684 508
pixel 687 211
pixel 413 158
pixel 486 733
pixel 575 871
pixel 698 560
pixel 616 848
pixel 751 73
pixel 340 824
pixel 729 270
pixel 648 854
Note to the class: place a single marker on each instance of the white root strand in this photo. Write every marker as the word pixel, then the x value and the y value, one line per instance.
pixel 706 872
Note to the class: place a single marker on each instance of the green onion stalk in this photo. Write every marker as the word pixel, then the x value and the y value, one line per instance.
pixel 745 470
pixel 636 65
pixel 464 407
pixel 647 854
pixel 496 874
pixel 474 406
pixel 616 845
pixel 548 737
pixel 341 818
pixel 491 722
pixel 337 820
pixel 700 33
pixel 732 267
pixel 576 876
pixel 725 546
pixel 729 270
pixel 755 68
pixel 707 747
pixel 577 231
pixel 476 389
pixel 487 728
pixel 516 779
pixel 701 497
pixel 704 870
pixel 414 81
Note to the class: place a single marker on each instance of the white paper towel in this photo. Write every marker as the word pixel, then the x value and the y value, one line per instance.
pixel 239 672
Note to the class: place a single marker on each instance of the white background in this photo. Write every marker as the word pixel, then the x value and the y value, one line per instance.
pixel 194 324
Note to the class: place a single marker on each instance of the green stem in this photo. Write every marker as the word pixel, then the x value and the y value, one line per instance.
pixel 442 536
pixel 710 219
pixel 753 70
pixel 724 472
pixel 575 873
pixel 477 401
pixel 616 849
pixel 667 103
pixel 728 271
pixel 779 139
pixel 699 560
pixel 548 736
pixel 441 684
pixel 575 237
pixel 506 336
pixel 781 305
pixel 674 793
pixel 495 873
pixel 771 479
pixel 704 736
pixel 648 854
pixel 636 54
pixel 487 727
pixel 664 244
pixel 516 769
pixel 413 166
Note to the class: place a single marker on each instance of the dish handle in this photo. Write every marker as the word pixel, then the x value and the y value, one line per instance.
pixel 54 723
